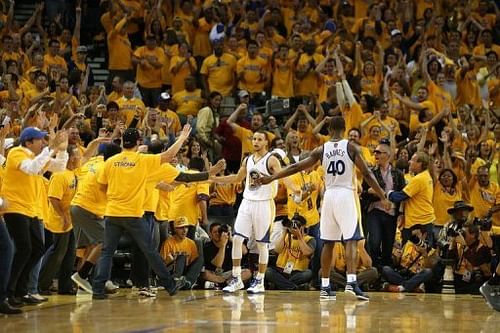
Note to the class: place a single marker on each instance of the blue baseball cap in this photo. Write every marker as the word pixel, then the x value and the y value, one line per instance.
pixel 30 133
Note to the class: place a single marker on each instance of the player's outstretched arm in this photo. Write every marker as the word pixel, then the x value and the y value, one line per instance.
pixel 275 167
pixel 366 172
pixel 232 179
pixel 315 156
pixel 171 152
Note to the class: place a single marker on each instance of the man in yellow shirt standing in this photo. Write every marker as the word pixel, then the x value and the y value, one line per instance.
pixel 417 196
pixel 218 72
pixel 52 61
pixel 149 60
pixel 20 187
pixel 131 107
pixel 124 177
pixel 60 256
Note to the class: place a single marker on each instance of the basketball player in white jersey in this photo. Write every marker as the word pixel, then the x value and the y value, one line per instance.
pixel 340 214
pixel 256 213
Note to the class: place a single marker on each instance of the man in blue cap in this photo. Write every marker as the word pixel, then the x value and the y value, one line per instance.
pixel 21 187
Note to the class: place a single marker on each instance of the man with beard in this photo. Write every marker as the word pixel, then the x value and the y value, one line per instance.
pixel 218 71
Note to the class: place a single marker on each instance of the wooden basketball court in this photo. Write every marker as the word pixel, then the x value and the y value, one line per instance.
pixel 211 311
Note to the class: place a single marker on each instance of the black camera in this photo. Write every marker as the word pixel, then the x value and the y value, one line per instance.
pixel 295 222
pixel 418 241
pixel 454 229
pixel 224 228
pixel 484 224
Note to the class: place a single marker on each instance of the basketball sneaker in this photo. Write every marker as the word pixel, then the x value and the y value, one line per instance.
pixel 355 290
pixel 492 295
pixel 327 293
pixel 256 286
pixel 234 284
pixel 81 282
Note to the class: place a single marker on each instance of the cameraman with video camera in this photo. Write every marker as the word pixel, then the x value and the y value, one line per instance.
pixel 294 249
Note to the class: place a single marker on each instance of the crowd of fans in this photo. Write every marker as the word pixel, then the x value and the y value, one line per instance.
pixel 417 82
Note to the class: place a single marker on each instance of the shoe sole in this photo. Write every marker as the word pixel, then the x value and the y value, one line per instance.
pixel 255 292
pixel 360 297
pixel 328 298
pixel 82 286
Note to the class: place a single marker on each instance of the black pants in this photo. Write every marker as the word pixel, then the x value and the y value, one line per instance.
pixel 28 241
pixel 381 232
pixel 140 271
pixel 150 96
pixel 59 261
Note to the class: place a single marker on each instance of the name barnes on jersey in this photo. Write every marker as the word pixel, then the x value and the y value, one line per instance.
pixel 335 152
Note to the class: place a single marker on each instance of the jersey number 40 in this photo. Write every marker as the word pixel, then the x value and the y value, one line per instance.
pixel 336 168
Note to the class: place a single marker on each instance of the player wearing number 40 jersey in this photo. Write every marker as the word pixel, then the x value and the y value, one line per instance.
pixel 340 215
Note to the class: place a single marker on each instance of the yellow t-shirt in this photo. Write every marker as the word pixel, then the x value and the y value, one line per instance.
pixel 131 107
pixel 89 195
pixel 125 174
pixel 19 188
pixel 419 208
pixel 310 83
pixel 62 186
pixel 283 74
pixel 174 246
pixel 120 49
pixel 292 255
pixel 185 70
pixel 308 140
pixel 307 208
pixel 442 201
pixel 220 73
pixel 57 62
pixel 251 70
pixel 245 135
pixel 184 201
pixel 225 194
pixel 188 102
pixel 167 173
pixel 482 199
pixel 168 114
pixel 147 75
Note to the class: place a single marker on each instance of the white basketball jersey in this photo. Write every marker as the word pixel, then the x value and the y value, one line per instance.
pixel 338 166
pixel 254 170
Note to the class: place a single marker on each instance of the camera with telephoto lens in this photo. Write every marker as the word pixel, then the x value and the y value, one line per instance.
pixel 418 241
pixel 484 223
pixel 454 229
pixel 224 228
pixel 295 222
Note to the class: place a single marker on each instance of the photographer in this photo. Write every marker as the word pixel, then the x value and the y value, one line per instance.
pixel 485 198
pixel 415 266
pixel 472 259
pixel 294 249
pixel 366 273
pixel 460 215
pixel 217 253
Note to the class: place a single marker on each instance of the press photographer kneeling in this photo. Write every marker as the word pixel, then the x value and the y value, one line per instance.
pixel 468 245
pixel 415 266
pixel 294 249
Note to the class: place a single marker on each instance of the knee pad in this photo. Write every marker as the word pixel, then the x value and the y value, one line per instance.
pixel 237 251
pixel 263 253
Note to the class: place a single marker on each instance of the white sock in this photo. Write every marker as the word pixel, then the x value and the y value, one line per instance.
pixel 260 276
pixel 351 278
pixel 237 271
pixel 325 282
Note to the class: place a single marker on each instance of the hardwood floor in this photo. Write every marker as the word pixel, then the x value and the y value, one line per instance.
pixel 287 312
